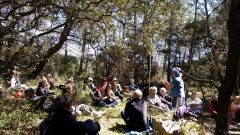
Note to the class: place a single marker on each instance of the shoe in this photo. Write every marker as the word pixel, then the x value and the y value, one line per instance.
pixel 107 106
pixel 99 114
pixel 113 106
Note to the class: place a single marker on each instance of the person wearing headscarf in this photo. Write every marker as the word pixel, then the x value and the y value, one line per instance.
pixel 176 87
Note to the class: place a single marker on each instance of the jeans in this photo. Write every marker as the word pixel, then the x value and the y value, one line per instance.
pixel 113 103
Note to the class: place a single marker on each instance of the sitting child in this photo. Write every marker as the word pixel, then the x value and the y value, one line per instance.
pixel 235 108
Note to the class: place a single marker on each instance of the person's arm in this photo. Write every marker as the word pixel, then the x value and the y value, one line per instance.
pixel 167 84
pixel 211 108
pixel 151 101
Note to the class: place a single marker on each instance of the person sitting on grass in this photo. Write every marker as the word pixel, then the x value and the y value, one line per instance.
pixel 135 113
pixel 42 88
pixel 127 93
pixel 195 103
pixel 40 102
pixel 213 106
pixel 50 82
pixel 132 85
pixel 154 99
pixel 62 121
pixel 165 98
pixel 116 92
pixel 108 98
pixel 235 108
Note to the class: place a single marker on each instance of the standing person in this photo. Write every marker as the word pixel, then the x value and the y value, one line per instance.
pixel 132 85
pixel 177 87
pixel 135 113
pixel 50 81
pixel 235 108
pixel 213 106
pixel 63 123
pixel 103 84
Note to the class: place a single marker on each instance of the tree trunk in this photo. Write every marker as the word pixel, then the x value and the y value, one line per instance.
pixel 63 37
pixel 232 69
pixel 82 53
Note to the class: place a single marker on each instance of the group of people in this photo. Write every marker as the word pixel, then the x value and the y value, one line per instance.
pixel 110 94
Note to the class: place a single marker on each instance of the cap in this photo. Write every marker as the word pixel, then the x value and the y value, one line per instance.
pixel 29 90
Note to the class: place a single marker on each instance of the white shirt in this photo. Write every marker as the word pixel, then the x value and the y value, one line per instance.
pixel 196 100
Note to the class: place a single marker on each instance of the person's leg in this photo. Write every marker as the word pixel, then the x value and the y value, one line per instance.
pixel 124 117
pixel 114 103
pixel 178 102
pixel 102 103
pixel 174 101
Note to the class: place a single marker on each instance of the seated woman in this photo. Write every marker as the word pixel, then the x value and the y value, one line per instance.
pixel 42 88
pixel 116 91
pixel 165 98
pixel 63 123
pixel 153 99
pixel 50 81
pixel 108 98
pixel 235 108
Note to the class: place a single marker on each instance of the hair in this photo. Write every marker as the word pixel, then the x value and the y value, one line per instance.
pixel 131 79
pixel 69 88
pixel 163 89
pixel 153 88
pixel 137 94
pixel 62 102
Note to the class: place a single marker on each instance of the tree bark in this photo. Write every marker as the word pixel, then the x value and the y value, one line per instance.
pixel 63 37
pixel 232 68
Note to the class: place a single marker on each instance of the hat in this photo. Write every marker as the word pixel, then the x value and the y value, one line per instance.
pixel 105 79
pixel 114 79
pixel 29 90
pixel 177 72
pixel 90 78
pixel 126 87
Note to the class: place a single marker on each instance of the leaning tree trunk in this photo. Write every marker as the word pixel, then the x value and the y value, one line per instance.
pixel 232 69
pixel 63 37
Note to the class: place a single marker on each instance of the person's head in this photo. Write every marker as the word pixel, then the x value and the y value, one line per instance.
pixel 49 76
pixel 90 80
pixel 62 103
pixel 18 74
pixel 131 81
pixel 176 72
pixel 108 87
pixel 30 92
pixel 193 94
pixel 214 97
pixel 137 94
pixel 153 90
pixel 236 99
pixel 114 86
pixel 104 81
pixel 69 88
pixel 43 84
pixel 13 72
pixel 126 88
pixel 162 91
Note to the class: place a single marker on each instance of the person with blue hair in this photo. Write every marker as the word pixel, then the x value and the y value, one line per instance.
pixel 176 88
